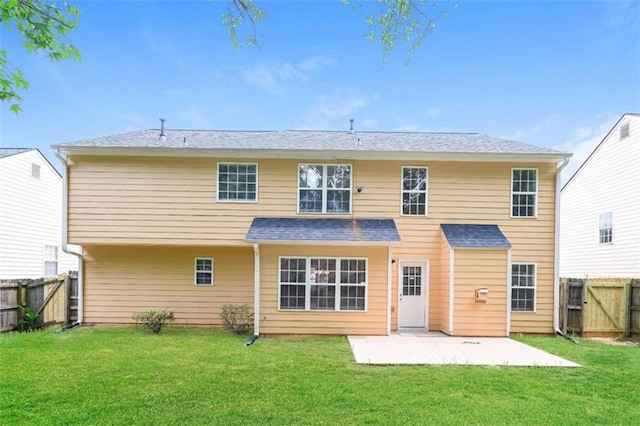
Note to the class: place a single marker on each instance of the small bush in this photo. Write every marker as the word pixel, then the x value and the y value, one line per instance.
pixel 237 318
pixel 154 320
pixel 29 320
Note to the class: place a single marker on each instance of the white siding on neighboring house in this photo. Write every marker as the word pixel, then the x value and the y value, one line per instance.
pixel 608 182
pixel 30 217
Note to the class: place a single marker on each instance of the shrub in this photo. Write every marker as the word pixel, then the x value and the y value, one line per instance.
pixel 154 320
pixel 237 318
pixel 29 321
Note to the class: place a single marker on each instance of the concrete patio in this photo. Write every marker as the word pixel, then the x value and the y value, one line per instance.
pixel 440 349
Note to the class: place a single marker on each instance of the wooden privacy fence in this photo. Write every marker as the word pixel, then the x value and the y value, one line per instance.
pixel 600 306
pixel 55 300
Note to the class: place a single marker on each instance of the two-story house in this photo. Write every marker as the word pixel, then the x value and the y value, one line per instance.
pixel 600 205
pixel 30 216
pixel 322 232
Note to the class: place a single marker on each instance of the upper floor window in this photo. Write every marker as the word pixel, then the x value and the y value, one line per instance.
pixel 50 261
pixel 523 287
pixel 606 228
pixel 414 191
pixel 624 130
pixel 324 188
pixel 238 182
pixel 203 271
pixel 322 284
pixel 524 192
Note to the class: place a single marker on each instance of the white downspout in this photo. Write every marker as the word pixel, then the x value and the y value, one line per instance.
pixel 389 284
pixel 256 290
pixel 556 266
pixel 65 217
pixel 452 270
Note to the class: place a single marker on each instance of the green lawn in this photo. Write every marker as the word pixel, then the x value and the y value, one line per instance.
pixel 202 376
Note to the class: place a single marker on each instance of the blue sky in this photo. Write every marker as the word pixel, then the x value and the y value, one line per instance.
pixel 555 74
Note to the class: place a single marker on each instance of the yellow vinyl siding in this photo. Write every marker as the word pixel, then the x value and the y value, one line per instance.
pixel 172 202
pixel 371 321
pixel 123 280
pixel 473 269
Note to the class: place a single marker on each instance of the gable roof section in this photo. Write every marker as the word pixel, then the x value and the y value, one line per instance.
pixel 327 231
pixel 299 143
pixel 7 152
pixel 597 148
pixel 474 236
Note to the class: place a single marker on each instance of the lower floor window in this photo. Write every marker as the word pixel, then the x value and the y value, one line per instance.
pixel 523 287
pixel 204 271
pixel 322 284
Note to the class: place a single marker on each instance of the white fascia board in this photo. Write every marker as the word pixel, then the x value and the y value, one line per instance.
pixel 313 154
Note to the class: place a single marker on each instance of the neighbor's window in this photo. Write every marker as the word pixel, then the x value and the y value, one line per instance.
pixel 606 228
pixel 323 284
pixel 50 261
pixel 624 130
pixel 524 192
pixel 238 182
pixel 523 287
pixel 414 191
pixel 204 271
pixel 324 188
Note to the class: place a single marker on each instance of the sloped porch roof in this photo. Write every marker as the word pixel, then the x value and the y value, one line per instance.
pixel 474 236
pixel 323 231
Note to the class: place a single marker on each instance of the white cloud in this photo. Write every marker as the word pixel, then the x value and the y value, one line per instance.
pixel 583 142
pixel 274 76
pixel 433 113
pixel 191 116
pixel 335 106
pixel 521 134
pixel 316 63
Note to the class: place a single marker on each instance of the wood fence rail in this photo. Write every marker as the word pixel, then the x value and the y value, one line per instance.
pixel 55 300
pixel 600 306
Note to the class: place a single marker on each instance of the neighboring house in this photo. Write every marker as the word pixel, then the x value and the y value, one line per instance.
pixel 320 232
pixel 601 208
pixel 30 216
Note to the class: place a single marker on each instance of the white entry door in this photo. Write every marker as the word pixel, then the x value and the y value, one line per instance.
pixel 413 289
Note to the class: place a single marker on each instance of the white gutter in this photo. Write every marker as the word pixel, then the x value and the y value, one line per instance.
pixel 65 248
pixel 556 265
pixel 256 290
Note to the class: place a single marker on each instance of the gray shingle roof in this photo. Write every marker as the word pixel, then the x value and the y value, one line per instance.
pixel 474 236
pixel 7 152
pixel 409 142
pixel 323 230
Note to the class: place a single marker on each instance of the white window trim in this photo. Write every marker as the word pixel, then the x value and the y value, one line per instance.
pixel 324 188
pixel 195 272
pixel 535 287
pixel 218 183
pixel 535 207
pixel 338 285
pixel 426 191
pixel 600 228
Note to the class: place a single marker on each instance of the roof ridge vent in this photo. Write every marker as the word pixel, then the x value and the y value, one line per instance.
pixel 163 135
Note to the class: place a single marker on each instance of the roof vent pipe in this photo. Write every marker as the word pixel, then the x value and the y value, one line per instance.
pixel 351 126
pixel 163 136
